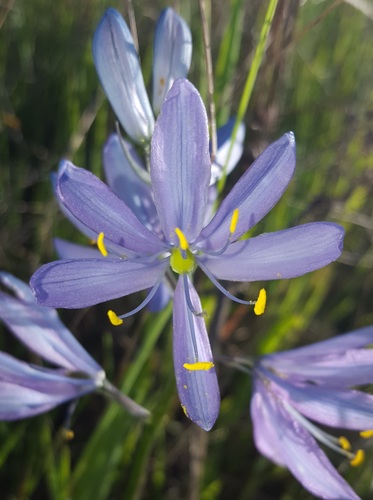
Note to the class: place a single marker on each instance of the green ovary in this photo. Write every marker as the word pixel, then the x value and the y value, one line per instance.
pixel 182 264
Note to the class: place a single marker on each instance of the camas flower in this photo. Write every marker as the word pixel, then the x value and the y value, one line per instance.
pixel 26 389
pixel 137 258
pixel 125 182
pixel 314 383
pixel 118 67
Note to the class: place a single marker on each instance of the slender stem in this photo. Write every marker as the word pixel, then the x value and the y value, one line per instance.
pixel 210 78
pixel 251 78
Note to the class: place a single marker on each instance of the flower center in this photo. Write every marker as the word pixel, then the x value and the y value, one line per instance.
pixel 182 260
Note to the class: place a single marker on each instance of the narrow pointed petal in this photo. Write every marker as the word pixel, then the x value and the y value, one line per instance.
pixel 69 216
pixel 283 254
pixel 42 331
pixel 300 452
pixel 78 283
pixel 226 158
pixel 172 54
pixel 336 345
pixel 97 207
pixel 26 390
pixel 67 250
pixel 18 287
pixel 350 368
pixel 255 194
pixel 346 409
pixel 118 68
pixel 198 390
pixel 125 183
pixel 180 162
pixel 17 402
pixel 265 435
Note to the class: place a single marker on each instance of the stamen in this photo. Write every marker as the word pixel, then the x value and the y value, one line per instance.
pixel 345 443
pixel 185 410
pixel 190 317
pixel 184 245
pixel 189 300
pixel 101 244
pixel 261 301
pixel 366 434
pixel 118 320
pixel 358 458
pixel 232 229
pixel 220 287
pixel 199 366
pixel 114 319
pixel 234 221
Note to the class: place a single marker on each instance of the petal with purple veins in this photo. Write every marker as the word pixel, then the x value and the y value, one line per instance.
pixel 172 54
pixel 125 183
pixel 78 283
pixel 349 368
pixel 198 389
pixel 180 162
pixel 118 68
pixel 255 194
pixel 300 452
pixel 331 406
pixel 68 250
pixel 283 254
pixel 98 208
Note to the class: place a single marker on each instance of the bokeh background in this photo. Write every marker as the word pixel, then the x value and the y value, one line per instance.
pixel 316 80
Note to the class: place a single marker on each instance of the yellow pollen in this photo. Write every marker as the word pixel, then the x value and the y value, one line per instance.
pixel 260 303
pixel 114 320
pixel 199 366
pixel 184 245
pixel 101 244
pixel 68 434
pixel 358 458
pixel 234 220
pixel 366 434
pixel 345 443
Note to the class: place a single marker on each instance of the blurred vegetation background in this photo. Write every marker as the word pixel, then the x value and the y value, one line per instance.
pixel 315 79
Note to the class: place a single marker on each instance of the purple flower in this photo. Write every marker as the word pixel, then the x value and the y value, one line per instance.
pixel 118 67
pixel 125 182
pixel 26 389
pixel 138 258
pixel 314 383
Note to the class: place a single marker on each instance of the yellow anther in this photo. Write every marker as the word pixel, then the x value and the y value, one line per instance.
pixel 101 244
pixel 260 303
pixel 345 443
pixel 184 245
pixel 234 220
pixel 114 320
pixel 366 434
pixel 68 434
pixel 358 458
pixel 199 366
